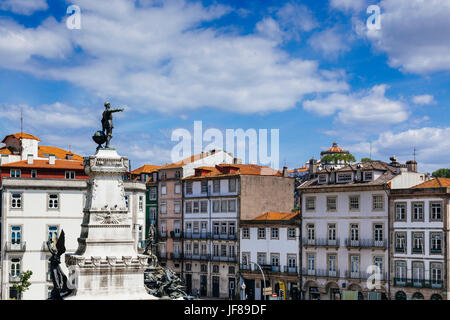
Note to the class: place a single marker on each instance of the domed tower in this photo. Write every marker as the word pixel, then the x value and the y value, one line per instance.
pixel 335 156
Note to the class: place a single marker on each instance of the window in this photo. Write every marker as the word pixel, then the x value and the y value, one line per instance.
pixel 418 271
pixel 188 267
pixel 195 207
pixel 368 176
pixel 141 203
pixel 417 211
pixel 177 188
pixel 14 173
pixel 189 187
pixel 353 202
pixel 354 232
pixel 275 259
pixel 163 189
pixel 203 206
pixel 354 265
pixel 344 177
pixel 232 185
pixel 231 270
pixel 216 227
pixel 400 211
pixel 322 178
pixel 189 207
pixel 34 173
pixel 436 243
pixel 216 205
pixel 52 234
pixel 261 233
pixel 292 261
pixel 245 258
pixel 16 200
pixel 231 205
pixel 188 227
pixel 400 242
pixel 231 228
pixel 53 201
pixel 417 245
pixel 435 211
pixel 70 174
pixel 223 228
pixel 153 193
pixel 216 186
pixel 245 233
pixel 378 261
pixel 153 213
pixel 274 233
pixel 203 268
pixel 215 250
pixel 215 268
pixel 436 273
pixel 177 207
pixel 311 263
pixel 177 174
pixel 16 235
pixel 261 257
pixel 163 207
pixel 15 267
pixel 400 271
pixel 224 205
pixel 332 232
pixel 331 203
pixel 332 264
pixel 204 186
pixel 127 202
pixel 196 249
pixel 223 250
pixel 377 202
pixel 291 233
pixel 231 251
pixel 378 234
pixel 310 204
pixel 310 231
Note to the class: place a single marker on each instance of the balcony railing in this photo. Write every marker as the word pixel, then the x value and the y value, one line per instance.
pixel 16 247
pixel 363 275
pixel 435 250
pixel 417 250
pixel 196 235
pixel 417 283
pixel 203 257
pixel 366 243
pixel 400 249
pixel 321 242
pixel 176 255
pixel 223 236
pixel 247 267
pixel 163 234
pixel 224 258
pixel 175 235
pixel 162 255
pixel 325 273
pixel 290 269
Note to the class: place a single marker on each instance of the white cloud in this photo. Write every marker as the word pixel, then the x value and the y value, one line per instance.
pixel 331 42
pixel 54 116
pixel 158 58
pixel 269 28
pixel 294 17
pixel 425 99
pixel 25 7
pixel 365 109
pixel 348 5
pixel 432 147
pixel 414 34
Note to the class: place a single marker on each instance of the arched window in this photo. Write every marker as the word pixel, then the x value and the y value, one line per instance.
pixel 417 296
pixel 436 297
pixel 400 295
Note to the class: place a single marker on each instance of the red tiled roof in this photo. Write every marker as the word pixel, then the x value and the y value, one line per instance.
pixel 226 169
pixel 44 164
pixel 44 151
pixel 335 148
pixel 434 183
pixel 147 168
pixel 5 150
pixel 21 135
pixel 277 216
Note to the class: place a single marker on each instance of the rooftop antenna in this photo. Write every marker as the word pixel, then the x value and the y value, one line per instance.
pixel 370 156
pixel 21 129
pixel 414 153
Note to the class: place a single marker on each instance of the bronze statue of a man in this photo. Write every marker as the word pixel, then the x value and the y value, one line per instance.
pixel 107 122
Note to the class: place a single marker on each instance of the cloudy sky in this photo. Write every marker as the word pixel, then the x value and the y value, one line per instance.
pixel 310 68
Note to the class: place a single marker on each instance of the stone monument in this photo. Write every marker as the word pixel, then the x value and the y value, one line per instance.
pixel 107 265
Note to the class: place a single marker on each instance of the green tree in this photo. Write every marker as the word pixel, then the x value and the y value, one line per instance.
pixel 24 283
pixel 442 173
pixel 366 160
pixel 335 158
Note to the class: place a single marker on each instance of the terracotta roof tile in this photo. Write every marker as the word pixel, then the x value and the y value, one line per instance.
pixel 434 183
pixel 21 135
pixel 147 168
pixel 44 164
pixel 44 151
pixel 277 216
pixel 226 169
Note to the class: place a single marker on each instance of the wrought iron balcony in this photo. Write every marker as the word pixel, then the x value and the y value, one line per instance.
pixel 245 267
pixel 196 235
pixel 417 250
pixel 176 255
pixel 16 247
pixel 163 234
pixel 223 236
pixel 162 255
pixel 198 256
pixel 363 275
pixel 14 278
pixel 400 249
pixel 321 242
pixel 366 243
pixel 288 269
pixel 224 258
pixel 435 250
pixel 323 273
pixel 417 283
pixel 175 235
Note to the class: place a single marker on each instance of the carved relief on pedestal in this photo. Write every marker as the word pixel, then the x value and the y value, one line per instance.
pixel 108 217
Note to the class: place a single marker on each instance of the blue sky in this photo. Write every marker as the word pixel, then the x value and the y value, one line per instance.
pixel 311 69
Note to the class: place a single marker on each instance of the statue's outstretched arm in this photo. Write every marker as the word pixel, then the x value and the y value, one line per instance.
pixel 117 110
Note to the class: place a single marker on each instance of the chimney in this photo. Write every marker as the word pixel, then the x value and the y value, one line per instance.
pixel 411 165
pixel 69 156
pixel 235 160
pixel 358 175
pixel 312 166
pixel 51 159
pixel 285 172
pixel 29 158
pixel 332 175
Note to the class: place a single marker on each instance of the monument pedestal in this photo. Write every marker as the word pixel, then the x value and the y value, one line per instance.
pixel 106 263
